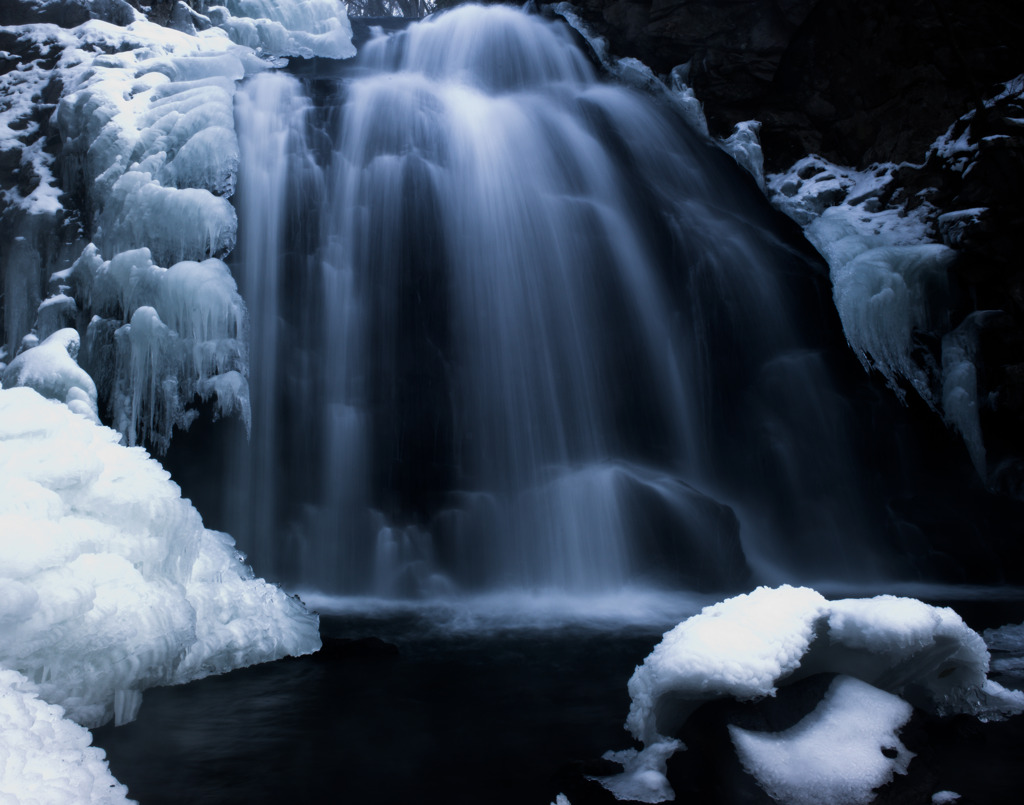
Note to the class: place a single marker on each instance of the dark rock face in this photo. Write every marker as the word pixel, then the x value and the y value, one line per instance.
pixel 734 47
pixel 855 82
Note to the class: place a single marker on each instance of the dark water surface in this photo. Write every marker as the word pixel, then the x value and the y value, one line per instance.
pixel 447 705
pixel 456 719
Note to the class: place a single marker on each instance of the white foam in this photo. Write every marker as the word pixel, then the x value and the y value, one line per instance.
pixel 539 610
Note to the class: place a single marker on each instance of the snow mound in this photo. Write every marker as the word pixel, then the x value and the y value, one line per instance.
pixel 746 646
pixel 45 757
pixel 836 754
pixel 109 583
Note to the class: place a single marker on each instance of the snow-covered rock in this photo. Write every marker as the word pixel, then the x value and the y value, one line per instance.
pixel 109 583
pixel 892 233
pixel 748 646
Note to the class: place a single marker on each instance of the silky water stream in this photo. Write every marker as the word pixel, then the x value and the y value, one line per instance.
pixel 517 328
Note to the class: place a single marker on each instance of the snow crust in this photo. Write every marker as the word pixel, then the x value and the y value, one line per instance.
pixel 747 646
pixel 835 753
pixel 44 757
pixel 109 583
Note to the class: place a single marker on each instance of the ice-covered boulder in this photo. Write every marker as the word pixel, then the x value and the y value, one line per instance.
pixel 109 583
pixel 748 646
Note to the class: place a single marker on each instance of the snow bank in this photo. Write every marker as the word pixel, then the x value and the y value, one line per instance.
pixel 45 757
pixel 837 754
pixel 109 584
pixel 748 646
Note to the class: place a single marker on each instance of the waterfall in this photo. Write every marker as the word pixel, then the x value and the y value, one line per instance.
pixel 516 327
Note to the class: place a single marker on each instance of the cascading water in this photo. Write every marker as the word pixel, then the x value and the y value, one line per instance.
pixel 516 327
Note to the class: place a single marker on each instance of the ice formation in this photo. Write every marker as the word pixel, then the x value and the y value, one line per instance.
pixel 960 386
pixel 290 27
pixel 148 147
pixel 46 758
pixel 837 754
pixel 110 582
pixel 164 336
pixel 1007 647
pixel 148 137
pixel 747 646
pixel 888 279
pixel 744 146
pixel 889 274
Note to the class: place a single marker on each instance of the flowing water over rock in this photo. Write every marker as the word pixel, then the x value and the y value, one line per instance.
pixel 516 327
